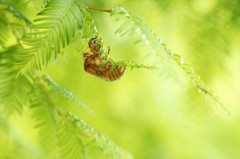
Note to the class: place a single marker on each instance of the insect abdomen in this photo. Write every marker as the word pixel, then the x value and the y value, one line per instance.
pixel 104 73
pixel 115 74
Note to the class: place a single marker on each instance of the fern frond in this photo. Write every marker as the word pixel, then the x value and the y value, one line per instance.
pixel 45 116
pixel 135 25
pixel 56 25
pixel 55 88
pixel 99 139
pixel 58 135
pixel 88 31
pixel 69 141
pixel 16 12
pixel 13 91
pixel 71 130
pixel 197 82
pixel 121 64
pixel 17 29
pixel 37 4
pixel 4 31
pixel 134 64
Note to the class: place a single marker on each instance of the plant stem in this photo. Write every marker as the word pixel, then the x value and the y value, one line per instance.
pixel 101 10
pixel 53 104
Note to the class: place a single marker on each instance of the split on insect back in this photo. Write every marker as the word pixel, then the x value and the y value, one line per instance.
pixel 99 66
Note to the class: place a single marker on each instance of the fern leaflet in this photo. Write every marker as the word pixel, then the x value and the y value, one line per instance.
pixel 88 31
pixel 69 140
pixel 138 28
pixel 97 138
pixel 56 25
pixel 38 4
pixel 65 93
pixel 4 31
pixel 13 91
pixel 135 25
pixel 46 119
pixel 11 8
pixel 68 130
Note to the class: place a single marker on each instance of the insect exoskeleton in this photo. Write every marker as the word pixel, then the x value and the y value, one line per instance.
pixel 93 60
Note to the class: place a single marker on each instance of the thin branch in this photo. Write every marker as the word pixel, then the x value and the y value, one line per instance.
pixel 101 10
pixel 52 102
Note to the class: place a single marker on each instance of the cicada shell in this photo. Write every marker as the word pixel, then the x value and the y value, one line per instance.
pixel 92 61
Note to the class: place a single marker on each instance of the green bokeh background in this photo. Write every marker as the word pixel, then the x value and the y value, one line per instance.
pixel 146 113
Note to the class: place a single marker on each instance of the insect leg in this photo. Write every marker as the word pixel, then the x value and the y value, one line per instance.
pixel 108 50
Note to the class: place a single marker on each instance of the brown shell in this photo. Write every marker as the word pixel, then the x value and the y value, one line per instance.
pixel 91 65
pixel 92 61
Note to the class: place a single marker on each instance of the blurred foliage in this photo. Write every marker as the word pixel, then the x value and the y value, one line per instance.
pixel 144 112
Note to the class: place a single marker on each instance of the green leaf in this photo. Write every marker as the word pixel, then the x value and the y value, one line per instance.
pixel 104 63
pixel 119 10
pixel 69 141
pixel 57 27
pixel 136 27
pixel 55 88
pixel 45 117
pixel 113 66
pixel 98 139
pixel 4 31
pixel 13 91
pixel 101 51
pixel 37 4
pixel 16 12
pixel 122 68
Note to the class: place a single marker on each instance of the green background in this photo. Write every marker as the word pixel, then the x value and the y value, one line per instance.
pixel 146 112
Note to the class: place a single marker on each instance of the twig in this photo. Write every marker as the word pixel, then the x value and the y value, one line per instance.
pixel 101 10
pixel 52 102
